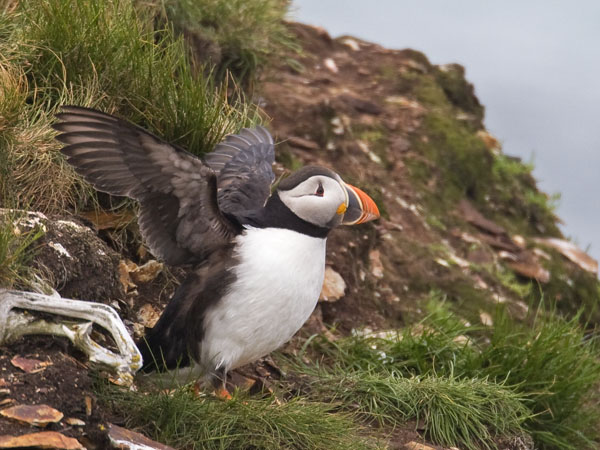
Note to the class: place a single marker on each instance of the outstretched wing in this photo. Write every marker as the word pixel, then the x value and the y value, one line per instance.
pixel 243 163
pixel 179 215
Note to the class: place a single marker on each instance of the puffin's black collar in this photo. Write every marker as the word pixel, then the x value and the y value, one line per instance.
pixel 276 214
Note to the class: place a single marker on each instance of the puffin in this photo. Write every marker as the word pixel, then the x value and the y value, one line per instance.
pixel 254 249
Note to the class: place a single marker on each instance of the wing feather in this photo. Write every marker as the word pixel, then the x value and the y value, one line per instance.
pixel 243 163
pixel 180 218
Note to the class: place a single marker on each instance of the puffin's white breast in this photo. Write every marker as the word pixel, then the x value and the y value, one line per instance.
pixel 278 280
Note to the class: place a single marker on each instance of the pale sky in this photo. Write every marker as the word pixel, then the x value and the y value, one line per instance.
pixel 535 66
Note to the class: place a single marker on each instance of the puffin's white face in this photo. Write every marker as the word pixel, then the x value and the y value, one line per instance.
pixel 320 200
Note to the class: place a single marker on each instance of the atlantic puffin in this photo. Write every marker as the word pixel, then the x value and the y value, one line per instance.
pixel 256 251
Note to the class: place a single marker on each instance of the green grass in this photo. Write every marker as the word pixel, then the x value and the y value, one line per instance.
pixel 458 164
pixel 16 250
pixel 521 204
pixel 457 159
pixel 465 412
pixel 546 371
pixel 237 37
pixel 182 420
pixel 106 55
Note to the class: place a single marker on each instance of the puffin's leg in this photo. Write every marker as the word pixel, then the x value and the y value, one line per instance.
pixel 219 381
pixel 15 322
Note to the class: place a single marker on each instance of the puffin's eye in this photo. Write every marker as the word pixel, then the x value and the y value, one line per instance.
pixel 320 191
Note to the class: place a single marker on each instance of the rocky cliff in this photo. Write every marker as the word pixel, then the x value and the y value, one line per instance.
pixel 460 220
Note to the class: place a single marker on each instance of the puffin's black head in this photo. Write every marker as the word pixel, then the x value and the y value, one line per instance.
pixel 319 196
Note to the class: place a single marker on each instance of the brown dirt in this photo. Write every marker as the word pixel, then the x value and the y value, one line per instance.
pixel 64 384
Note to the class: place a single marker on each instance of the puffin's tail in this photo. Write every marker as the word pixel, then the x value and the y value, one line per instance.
pixel 164 347
pixel 161 352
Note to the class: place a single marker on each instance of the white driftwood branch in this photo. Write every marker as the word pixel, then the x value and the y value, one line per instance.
pixel 15 323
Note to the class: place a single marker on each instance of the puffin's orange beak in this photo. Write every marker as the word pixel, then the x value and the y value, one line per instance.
pixel 361 208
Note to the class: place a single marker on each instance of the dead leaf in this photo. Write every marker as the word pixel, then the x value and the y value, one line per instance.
pixel 104 220
pixel 37 415
pixel 148 315
pixel 147 272
pixel 125 267
pixel 43 439
pixel 29 365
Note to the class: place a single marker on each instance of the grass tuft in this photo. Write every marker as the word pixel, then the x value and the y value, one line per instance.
pixel 237 37
pixel 547 370
pixel 466 412
pixel 16 249
pixel 182 420
pixel 106 55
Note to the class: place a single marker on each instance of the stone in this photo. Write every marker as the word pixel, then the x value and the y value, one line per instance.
pixel 364 147
pixel 361 105
pixel 125 439
pixel 351 44
pixel 43 439
pixel 37 415
pixel 570 251
pixel 414 445
pixel 299 142
pixel 490 141
pixel 75 422
pixel 474 217
pixel 486 319
pixel 330 64
pixel 334 286
pixel 376 264
pixel 519 241
pixel 530 269
pixel 29 365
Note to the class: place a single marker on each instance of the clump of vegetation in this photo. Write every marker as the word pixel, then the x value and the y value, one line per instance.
pixel 570 289
pixel 463 162
pixel 459 91
pixel 181 419
pixel 16 250
pixel 237 37
pixel 106 55
pixel 465 412
pixel 544 372
pixel 458 164
pixel 518 199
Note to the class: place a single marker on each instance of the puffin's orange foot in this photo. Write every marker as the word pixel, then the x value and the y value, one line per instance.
pixel 222 394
